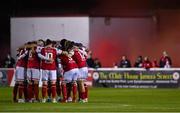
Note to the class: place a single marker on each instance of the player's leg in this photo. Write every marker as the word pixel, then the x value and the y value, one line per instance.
pixel 26 90
pixel 75 74
pixel 53 89
pixel 81 89
pixel 58 88
pixel 82 78
pixel 20 91
pixel 20 79
pixel 44 91
pixel 64 91
pixel 36 90
pixel 53 77
pixel 69 89
pixel 86 92
pixel 78 89
pixel 30 84
pixel 30 91
pixel 67 79
pixel 44 85
pixel 85 75
pixel 49 91
pixel 74 89
pixel 15 88
pixel 25 85
pixel 35 78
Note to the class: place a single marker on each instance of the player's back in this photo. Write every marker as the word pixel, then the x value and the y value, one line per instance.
pixel 33 59
pixel 80 58
pixel 22 62
pixel 50 53
pixel 67 62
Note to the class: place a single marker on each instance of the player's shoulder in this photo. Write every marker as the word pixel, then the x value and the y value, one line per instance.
pixel 39 48
pixel 51 48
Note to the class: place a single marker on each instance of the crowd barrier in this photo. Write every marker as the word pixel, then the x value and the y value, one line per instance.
pixel 136 77
pixel 118 77
pixel 7 78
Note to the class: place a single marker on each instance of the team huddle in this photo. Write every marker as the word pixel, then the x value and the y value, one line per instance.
pixel 62 67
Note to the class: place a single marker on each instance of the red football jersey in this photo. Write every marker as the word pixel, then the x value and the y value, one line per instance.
pixel 50 53
pixel 79 58
pixel 33 59
pixel 67 62
pixel 22 62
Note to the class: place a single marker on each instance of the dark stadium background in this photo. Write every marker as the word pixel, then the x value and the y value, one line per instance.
pixel 165 15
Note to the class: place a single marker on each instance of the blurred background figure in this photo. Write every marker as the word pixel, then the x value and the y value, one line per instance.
pixel 90 60
pixel 139 62
pixel 154 63
pixel 147 63
pixel 115 65
pixel 97 63
pixel 124 63
pixel 9 61
pixel 165 61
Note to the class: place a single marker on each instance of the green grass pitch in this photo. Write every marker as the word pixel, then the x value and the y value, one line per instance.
pixel 103 100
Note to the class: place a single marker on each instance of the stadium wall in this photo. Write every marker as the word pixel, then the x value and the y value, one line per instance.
pixel 134 36
pixel 160 32
pixel 24 29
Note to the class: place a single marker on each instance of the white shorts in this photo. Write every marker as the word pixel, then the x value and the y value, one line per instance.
pixel 49 75
pixel 20 74
pixel 71 75
pixel 83 73
pixel 33 74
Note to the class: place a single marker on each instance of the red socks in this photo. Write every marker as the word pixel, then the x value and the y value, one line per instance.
pixel 21 90
pixel 82 95
pixel 33 90
pixel 64 92
pixel 53 89
pixel 74 92
pixel 86 91
pixel 44 91
pixel 49 90
pixel 36 91
pixel 15 90
pixel 30 91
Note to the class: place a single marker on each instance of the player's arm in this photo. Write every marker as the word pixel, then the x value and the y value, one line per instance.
pixel 83 52
pixel 71 53
pixel 43 57
pixel 38 50
pixel 23 55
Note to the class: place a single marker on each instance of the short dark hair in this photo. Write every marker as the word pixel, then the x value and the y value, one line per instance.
pixel 48 42
pixel 62 42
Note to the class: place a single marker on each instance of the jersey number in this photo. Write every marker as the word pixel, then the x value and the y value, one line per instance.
pixel 49 56
pixel 30 55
